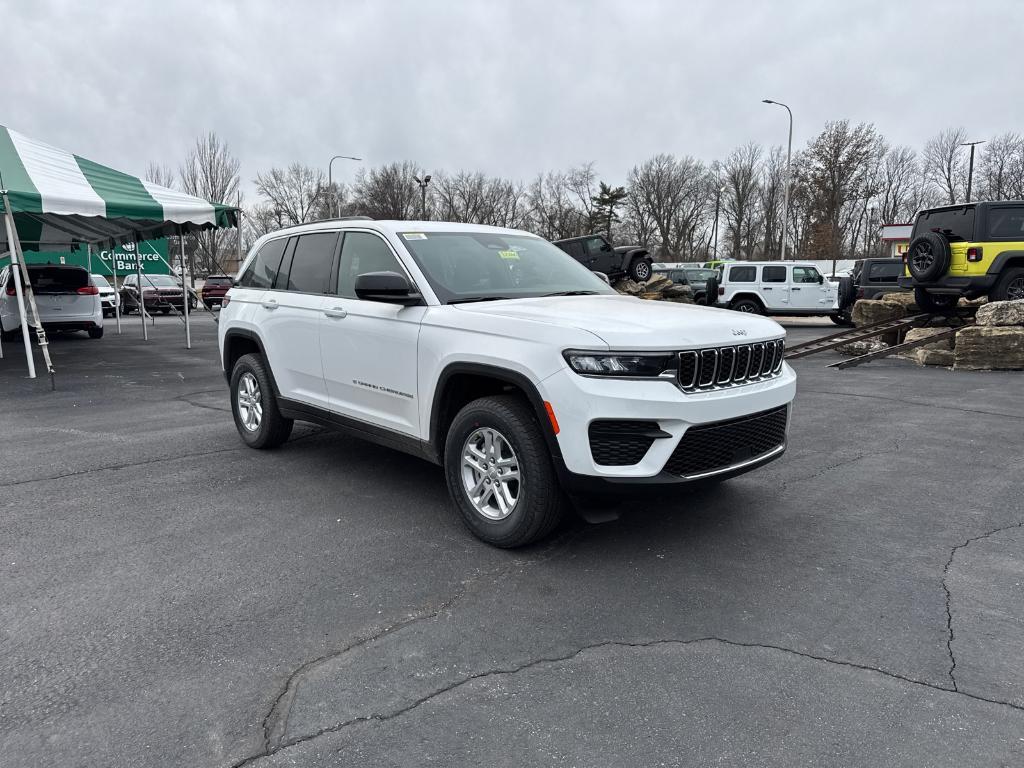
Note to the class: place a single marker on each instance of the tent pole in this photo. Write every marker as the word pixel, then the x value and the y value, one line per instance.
pixel 142 301
pixel 238 223
pixel 88 258
pixel 12 234
pixel 186 298
pixel 117 291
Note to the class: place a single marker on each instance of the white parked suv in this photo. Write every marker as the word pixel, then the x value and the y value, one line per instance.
pixel 493 353
pixel 781 288
pixel 66 297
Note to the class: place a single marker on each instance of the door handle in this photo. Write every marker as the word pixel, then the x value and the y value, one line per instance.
pixel 765 288
pixel 336 312
pixel 269 304
pixel 794 289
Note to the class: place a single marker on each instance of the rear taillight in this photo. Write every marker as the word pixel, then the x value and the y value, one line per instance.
pixel 225 301
pixel 721 290
pixel 860 293
pixel 88 290
pixel 974 254
pixel 10 290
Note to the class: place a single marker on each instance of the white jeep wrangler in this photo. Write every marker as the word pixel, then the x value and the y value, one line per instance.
pixel 781 288
pixel 493 353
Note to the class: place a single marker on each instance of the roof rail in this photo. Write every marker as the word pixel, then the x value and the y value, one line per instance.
pixel 344 218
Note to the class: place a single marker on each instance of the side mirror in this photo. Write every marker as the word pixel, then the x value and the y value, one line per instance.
pixel 821 279
pixel 388 287
pixel 604 277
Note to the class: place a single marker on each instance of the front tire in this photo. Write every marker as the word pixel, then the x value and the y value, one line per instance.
pixel 500 474
pixel 95 333
pixel 640 270
pixel 254 406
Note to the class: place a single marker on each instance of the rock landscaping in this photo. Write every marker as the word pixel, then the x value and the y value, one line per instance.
pixel 995 342
pixel 658 288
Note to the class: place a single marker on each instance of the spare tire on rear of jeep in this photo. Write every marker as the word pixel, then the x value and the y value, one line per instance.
pixel 928 257
pixel 847 292
pixel 711 291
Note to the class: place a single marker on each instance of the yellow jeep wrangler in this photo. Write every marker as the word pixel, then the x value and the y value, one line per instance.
pixel 970 250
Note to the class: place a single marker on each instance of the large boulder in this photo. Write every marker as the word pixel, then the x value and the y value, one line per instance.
pixel 985 347
pixel 675 290
pixel 916 334
pixel 926 356
pixel 904 299
pixel 858 348
pixel 659 283
pixel 629 287
pixel 869 311
pixel 1001 313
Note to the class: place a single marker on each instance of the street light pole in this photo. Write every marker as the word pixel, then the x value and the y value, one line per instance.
pixel 330 178
pixel 970 172
pixel 785 194
pixel 423 194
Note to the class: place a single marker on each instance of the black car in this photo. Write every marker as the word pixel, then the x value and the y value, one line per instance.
pixel 695 277
pixel 870 279
pixel 597 254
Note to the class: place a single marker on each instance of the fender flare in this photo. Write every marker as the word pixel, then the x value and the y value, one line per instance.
pixel 250 335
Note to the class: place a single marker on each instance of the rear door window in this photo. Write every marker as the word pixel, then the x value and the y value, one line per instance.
pixel 957 224
pixel 742 274
pixel 885 272
pixel 773 274
pixel 57 280
pixel 312 262
pixel 262 272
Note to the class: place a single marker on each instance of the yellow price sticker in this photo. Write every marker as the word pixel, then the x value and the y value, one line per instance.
pixel 509 255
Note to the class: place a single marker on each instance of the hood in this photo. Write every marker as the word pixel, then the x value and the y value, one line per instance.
pixel 625 322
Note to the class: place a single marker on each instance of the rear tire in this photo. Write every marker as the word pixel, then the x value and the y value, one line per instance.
pixel 95 333
pixel 843 318
pixel 257 418
pixel 934 302
pixel 489 437
pixel 1010 286
pixel 749 306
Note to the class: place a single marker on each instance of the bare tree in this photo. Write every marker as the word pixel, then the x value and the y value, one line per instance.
pixel 674 193
pixel 773 177
pixel 552 213
pixel 1001 168
pixel 210 171
pixel 295 193
pixel 388 192
pixel 160 174
pixel 581 182
pixel 899 175
pixel 945 164
pixel 739 204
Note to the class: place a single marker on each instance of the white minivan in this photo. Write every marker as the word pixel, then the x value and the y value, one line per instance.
pixel 781 288
pixel 65 295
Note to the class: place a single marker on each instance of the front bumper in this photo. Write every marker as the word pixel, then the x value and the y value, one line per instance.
pixel 579 401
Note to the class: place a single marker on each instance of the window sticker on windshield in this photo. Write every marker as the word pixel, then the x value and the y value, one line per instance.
pixel 414 236
pixel 509 255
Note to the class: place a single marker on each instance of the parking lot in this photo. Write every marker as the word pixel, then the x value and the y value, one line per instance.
pixel 171 597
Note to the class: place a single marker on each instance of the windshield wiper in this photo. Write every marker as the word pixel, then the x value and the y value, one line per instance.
pixel 574 293
pixel 473 299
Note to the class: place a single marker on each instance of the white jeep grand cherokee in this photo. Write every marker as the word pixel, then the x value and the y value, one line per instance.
pixel 493 353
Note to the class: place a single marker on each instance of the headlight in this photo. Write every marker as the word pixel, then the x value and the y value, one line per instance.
pixel 618 363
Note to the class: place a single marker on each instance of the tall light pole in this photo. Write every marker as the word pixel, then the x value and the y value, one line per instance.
pixel 785 194
pixel 423 194
pixel 970 172
pixel 330 178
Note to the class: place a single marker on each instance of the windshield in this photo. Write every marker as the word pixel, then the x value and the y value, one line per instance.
pixel 700 275
pixel 160 281
pixel 100 281
pixel 476 266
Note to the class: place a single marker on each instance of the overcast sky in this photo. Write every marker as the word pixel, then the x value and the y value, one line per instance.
pixel 509 88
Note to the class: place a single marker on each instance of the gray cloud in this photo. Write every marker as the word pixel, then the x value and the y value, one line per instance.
pixel 506 87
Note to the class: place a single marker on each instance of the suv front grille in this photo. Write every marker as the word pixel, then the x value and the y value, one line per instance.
pixel 729 366
pixel 620 443
pixel 723 444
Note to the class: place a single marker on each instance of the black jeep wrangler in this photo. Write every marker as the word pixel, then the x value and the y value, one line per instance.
pixel 598 255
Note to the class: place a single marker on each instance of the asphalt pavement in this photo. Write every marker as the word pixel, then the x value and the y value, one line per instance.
pixel 169 597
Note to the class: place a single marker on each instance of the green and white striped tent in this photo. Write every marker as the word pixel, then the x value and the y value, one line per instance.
pixel 61 200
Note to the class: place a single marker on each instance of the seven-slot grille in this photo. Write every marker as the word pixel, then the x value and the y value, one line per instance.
pixel 730 366
pixel 708 448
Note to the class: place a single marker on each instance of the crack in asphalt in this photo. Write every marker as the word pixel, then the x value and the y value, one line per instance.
pixel 949 595
pixel 275 723
pixel 513 670
pixel 186 398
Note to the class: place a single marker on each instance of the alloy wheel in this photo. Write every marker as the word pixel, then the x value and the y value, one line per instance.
pixel 490 473
pixel 250 402
pixel 1015 290
pixel 923 257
